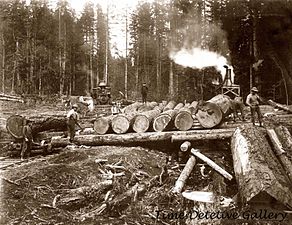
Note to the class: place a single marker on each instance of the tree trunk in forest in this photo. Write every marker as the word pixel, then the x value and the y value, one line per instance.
pixel 171 81
pixel 164 121
pixel 257 170
pixel 3 64
pixel 31 68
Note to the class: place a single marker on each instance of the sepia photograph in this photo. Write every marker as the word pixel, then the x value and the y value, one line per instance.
pixel 145 112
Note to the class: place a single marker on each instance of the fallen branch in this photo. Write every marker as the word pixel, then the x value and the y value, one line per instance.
pixel 211 163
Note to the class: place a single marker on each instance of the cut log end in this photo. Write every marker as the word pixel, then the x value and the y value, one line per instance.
pixel 141 124
pixel 160 122
pixel 120 124
pixel 101 125
pixel 209 115
pixel 183 121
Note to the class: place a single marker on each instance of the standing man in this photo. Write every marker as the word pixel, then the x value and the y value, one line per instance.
pixel 144 92
pixel 27 139
pixel 72 119
pixel 253 101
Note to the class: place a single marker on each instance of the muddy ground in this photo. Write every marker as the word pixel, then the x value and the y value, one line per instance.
pixel 113 184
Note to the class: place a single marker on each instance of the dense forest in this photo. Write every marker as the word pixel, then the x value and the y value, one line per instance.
pixel 178 47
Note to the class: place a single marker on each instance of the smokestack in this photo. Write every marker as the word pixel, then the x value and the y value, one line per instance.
pixel 227 79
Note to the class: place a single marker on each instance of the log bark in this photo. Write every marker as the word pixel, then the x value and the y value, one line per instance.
pixel 146 107
pixel 286 138
pixel 280 152
pixel 169 105
pixel 164 121
pixel 212 134
pixel 132 107
pixel 280 106
pixel 211 164
pixel 14 125
pixel 131 138
pixel 211 113
pixel 256 167
pixel 179 184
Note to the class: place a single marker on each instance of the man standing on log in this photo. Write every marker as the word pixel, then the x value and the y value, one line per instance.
pixel 144 92
pixel 27 139
pixel 72 120
pixel 253 101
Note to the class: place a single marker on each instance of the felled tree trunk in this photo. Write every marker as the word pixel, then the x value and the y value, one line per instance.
pixel 144 120
pixel 211 113
pixel 169 105
pixel 280 106
pixel 132 107
pixel 146 107
pixel 281 153
pixel 184 119
pixel 286 138
pixel 14 125
pixel 258 171
pixel 164 121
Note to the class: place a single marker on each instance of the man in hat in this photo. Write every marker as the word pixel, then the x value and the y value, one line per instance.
pixel 253 101
pixel 72 120
pixel 27 139
pixel 144 92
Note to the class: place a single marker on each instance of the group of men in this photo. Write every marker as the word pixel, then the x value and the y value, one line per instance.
pixel 253 101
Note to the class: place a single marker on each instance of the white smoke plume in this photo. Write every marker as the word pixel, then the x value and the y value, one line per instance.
pixel 199 58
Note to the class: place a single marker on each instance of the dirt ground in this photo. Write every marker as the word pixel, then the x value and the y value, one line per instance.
pixel 110 184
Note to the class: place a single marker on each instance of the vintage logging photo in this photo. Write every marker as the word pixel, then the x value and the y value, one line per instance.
pixel 140 112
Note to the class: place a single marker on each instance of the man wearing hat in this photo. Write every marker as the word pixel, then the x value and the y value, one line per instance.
pixel 72 119
pixel 144 92
pixel 253 101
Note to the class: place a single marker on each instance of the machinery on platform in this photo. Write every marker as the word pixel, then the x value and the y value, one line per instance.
pixel 102 94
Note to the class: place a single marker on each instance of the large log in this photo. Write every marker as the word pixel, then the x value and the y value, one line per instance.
pixel 131 108
pixel 179 184
pixel 286 138
pixel 257 169
pixel 132 138
pixel 143 121
pixel 211 164
pixel 164 121
pixel 211 134
pixel 169 105
pixel 280 106
pixel 14 125
pixel 211 113
pixel 123 122
pixel 102 124
pixel 184 119
pixel 280 152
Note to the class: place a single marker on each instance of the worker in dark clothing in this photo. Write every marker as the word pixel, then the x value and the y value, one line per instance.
pixel 27 139
pixel 72 120
pixel 144 92
pixel 253 101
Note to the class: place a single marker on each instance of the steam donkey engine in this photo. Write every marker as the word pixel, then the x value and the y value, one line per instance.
pixel 102 94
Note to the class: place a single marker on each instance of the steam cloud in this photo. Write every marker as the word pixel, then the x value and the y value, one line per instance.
pixel 199 58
